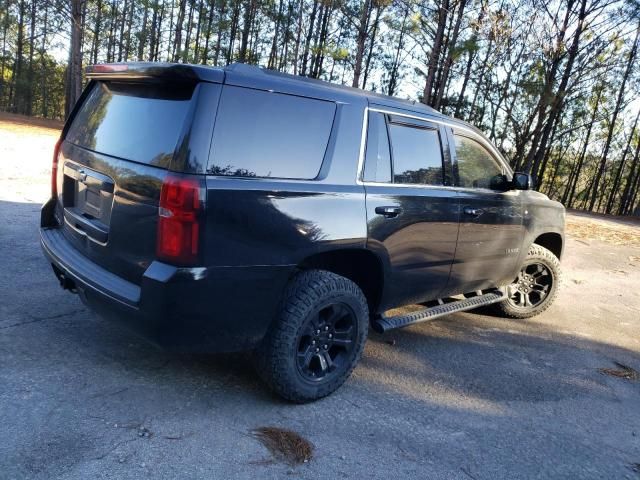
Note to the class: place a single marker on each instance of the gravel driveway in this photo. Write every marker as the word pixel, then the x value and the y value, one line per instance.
pixel 467 396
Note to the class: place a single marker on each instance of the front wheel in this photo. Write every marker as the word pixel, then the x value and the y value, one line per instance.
pixel 318 339
pixel 536 286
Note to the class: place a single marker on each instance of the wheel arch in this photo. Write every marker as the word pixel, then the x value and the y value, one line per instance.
pixel 359 265
pixel 551 241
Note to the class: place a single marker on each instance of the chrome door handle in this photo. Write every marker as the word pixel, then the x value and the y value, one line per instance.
pixel 388 212
pixel 476 212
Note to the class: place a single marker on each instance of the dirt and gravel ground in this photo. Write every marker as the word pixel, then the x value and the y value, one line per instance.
pixel 467 396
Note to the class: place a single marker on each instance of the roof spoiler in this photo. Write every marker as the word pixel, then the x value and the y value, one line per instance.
pixel 155 71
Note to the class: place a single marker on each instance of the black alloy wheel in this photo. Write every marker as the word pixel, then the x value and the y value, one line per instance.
pixel 532 286
pixel 317 341
pixel 535 287
pixel 326 342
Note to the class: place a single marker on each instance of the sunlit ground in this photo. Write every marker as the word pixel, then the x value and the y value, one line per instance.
pixel 26 153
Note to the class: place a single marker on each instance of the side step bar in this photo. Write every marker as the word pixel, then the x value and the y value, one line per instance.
pixel 383 324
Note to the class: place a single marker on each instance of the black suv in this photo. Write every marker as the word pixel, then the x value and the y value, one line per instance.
pixel 242 209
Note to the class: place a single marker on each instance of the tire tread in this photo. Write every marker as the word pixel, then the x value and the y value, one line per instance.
pixel 306 290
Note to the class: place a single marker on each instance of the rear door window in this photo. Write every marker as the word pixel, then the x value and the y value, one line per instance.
pixel 417 155
pixel 139 122
pixel 267 134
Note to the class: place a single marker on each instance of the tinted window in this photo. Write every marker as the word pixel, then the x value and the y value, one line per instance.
pixel 378 157
pixel 417 156
pixel 132 121
pixel 263 134
pixel 476 166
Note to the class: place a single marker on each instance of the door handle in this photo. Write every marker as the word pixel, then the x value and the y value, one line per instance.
pixel 388 212
pixel 476 212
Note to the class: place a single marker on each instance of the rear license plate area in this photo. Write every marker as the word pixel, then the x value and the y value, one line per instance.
pixel 87 201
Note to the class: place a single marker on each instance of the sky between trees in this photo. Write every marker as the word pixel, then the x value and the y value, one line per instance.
pixel 554 84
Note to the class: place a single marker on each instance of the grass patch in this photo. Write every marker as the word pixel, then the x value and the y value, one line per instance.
pixel 612 230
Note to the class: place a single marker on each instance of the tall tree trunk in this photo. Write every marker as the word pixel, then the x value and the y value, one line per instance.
pixel 558 99
pixel 74 79
pixel 43 66
pixel 434 56
pixel 216 56
pixel 235 19
pixel 96 33
pixel 121 35
pixel 28 107
pixel 249 10
pixel 143 35
pixel 196 50
pixel 15 92
pixel 187 40
pixel 153 36
pixel 568 197
pixel 450 49
pixel 547 92
pixel 284 47
pixel 307 43
pixel 207 39
pixel 273 53
pixel 127 42
pixel 395 65
pixel 627 194
pixel 372 42
pixel 296 51
pixel 361 38
pixel 158 42
pixel 612 124
pixel 465 81
pixel 177 41
pixel 616 181
pixel 322 46
pixel 112 25
pixel 631 208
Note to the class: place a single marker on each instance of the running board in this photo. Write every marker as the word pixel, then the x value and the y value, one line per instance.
pixel 383 324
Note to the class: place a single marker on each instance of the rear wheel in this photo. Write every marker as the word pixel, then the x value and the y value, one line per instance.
pixel 318 340
pixel 536 286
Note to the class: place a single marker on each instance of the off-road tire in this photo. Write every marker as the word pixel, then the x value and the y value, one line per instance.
pixel 536 254
pixel 276 358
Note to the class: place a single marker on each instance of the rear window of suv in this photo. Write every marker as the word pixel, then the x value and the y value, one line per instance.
pixel 267 134
pixel 139 122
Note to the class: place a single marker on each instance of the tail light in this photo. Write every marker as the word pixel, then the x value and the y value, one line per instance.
pixel 54 169
pixel 178 223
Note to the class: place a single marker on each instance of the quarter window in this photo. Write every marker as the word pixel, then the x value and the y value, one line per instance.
pixel 476 166
pixel 417 155
pixel 266 134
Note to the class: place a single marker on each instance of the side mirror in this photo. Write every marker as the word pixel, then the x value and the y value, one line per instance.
pixel 522 181
pixel 499 182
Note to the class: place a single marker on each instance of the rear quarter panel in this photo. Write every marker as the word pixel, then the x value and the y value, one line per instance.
pixel 278 222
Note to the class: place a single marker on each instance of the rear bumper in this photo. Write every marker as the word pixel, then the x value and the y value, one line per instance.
pixel 218 309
